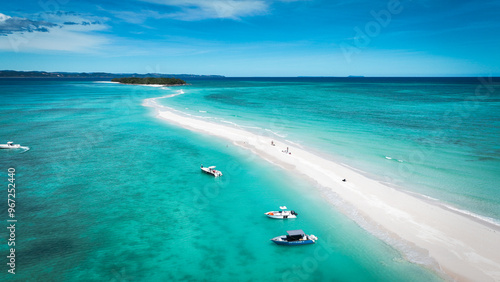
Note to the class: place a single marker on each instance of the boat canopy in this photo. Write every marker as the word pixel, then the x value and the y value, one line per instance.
pixel 283 207
pixel 211 167
pixel 296 232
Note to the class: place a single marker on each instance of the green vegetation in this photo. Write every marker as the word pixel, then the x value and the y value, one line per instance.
pixel 150 80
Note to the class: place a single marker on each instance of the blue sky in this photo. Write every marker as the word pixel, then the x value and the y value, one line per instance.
pixel 253 37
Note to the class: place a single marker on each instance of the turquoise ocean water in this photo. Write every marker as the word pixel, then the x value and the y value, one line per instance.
pixel 108 192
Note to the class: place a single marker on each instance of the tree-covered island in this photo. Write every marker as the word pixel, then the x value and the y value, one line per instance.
pixel 150 80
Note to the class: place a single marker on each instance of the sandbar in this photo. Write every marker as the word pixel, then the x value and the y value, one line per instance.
pixel 461 247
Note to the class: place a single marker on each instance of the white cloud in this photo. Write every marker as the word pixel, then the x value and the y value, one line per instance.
pixel 63 18
pixel 192 10
pixel 55 40
pixel 57 31
pixel 9 25
pixel 3 17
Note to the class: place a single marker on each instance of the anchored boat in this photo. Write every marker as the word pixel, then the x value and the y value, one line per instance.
pixel 10 145
pixel 282 214
pixel 211 170
pixel 295 237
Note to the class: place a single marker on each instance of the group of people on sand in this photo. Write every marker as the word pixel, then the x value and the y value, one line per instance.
pixel 284 151
pixel 288 152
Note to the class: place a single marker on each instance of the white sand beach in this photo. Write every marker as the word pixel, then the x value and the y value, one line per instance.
pixel 465 248
pixel 150 85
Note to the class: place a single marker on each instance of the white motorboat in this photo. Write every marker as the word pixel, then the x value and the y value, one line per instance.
pixel 211 170
pixel 10 145
pixel 283 213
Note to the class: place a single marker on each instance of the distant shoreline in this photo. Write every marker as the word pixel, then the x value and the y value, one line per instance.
pixel 94 75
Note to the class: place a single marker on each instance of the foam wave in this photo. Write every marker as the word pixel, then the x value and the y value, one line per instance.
pixel 438 202
pixel 354 169
pixel 409 252
pixel 114 82
pixel 251 127
pixel 275 133
pixel 429 197
pixel 231 123
pixel 179 92
pixel 474 215
pixel 151 102
pixel 294 143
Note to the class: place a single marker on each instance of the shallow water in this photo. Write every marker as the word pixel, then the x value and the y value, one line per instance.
pixel 436 136
pixel 109 192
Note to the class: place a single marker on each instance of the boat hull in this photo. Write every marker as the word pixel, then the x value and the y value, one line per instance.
pixel 279 216
pixel 214 173
pixel 3 146
pixel 280 241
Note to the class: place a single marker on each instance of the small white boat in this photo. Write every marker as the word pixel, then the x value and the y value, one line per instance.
pixel 10 145
pixel 211 170
pixel 283 213
pixel 295 237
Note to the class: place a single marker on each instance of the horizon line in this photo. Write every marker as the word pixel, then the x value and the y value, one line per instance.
pixel 257 76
